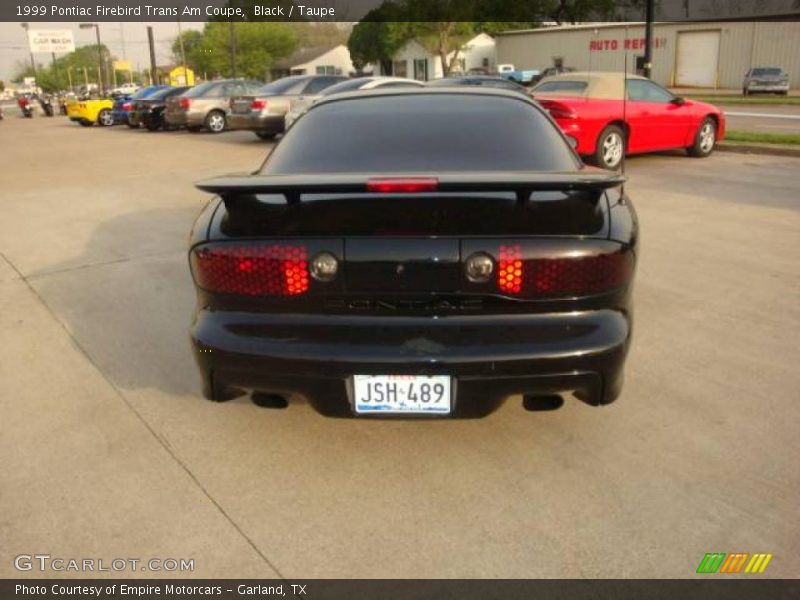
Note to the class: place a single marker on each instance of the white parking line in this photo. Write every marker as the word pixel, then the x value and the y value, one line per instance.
pixel 766 115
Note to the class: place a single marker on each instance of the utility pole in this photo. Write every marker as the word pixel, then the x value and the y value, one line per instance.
pixel 648 38
pixel 152 45
pixel 100 65
pixel 183 54
pixel 233 50
pixel 28 38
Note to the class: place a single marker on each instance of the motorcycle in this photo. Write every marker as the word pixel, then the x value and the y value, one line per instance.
pixel 26 107
pixel 46 102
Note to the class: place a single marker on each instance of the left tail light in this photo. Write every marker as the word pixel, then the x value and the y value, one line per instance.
pixel 558 110
pixel 127 106
pixel 185 103
pixel 251 270
pixel 258 104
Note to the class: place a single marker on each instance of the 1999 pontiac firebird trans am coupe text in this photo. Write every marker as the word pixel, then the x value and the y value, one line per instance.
pixel 416 253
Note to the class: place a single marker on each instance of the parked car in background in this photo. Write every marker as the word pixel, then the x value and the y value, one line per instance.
pixel 407 264
pixel 589 109
pixel 489 81
pixel 205 106
pixel 263 112
pixel 552 71
pixel 126 89
pixel 299 106
pixel 772 80
pixel 123 104
pixel 525 77
pixel 89 112
pixel 149 111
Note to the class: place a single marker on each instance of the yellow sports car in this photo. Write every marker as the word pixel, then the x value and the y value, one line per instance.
pixel 89 112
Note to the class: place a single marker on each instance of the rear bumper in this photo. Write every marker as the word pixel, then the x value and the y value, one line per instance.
pixel 490 357
pixel 269 123
pixel 768 87
pixel 176 118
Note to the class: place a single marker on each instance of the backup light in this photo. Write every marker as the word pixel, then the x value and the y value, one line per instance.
pixel 324 266
pixel 479 267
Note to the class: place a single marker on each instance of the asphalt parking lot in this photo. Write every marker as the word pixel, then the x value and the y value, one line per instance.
pixel 109 450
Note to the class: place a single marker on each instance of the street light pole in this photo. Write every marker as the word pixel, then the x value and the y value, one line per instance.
pixel 233 50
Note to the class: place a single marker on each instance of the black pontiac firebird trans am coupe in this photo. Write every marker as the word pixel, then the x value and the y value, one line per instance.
pixel 416 253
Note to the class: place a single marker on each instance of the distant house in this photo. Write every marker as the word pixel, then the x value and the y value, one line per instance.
pixel 315 61
pixel 417 62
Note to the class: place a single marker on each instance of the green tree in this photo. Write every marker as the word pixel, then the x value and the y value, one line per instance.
pixel 55 76
pixel 258 46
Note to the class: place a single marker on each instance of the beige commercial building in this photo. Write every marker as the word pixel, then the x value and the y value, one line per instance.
pixel 708 54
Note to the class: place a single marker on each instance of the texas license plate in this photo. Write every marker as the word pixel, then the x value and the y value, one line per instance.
pixel 402 394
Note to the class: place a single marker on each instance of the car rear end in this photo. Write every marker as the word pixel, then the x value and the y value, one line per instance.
pixel 767 80
pixel 121 109
pixel 263 112
pixel 388 261
pixel 177 111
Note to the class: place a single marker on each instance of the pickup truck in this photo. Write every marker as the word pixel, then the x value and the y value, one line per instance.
pixel 523 77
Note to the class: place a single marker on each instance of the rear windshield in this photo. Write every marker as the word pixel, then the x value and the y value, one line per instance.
pixel 281 86
pixel 574 88
pixel 767 71
pixel 145 93
pixel 422 133
pixel 200 90
pixel 160 94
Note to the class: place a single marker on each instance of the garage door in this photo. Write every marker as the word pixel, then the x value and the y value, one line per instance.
pixel 698 58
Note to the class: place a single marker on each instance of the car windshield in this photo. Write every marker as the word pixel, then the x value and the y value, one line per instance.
pixel 422 133
pixel 346 86
pixel 200 90
pixel 281 86
pixel 768 71
pixel 569 88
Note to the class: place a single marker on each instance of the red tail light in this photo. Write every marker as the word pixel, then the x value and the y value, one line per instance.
pixel 251 270
pixel 562 276
pixel 403 185
pixel 127 106
pixel 258 104
pixel 558 110
pixel 185 103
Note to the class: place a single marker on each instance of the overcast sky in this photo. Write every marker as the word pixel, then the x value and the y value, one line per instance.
pixel 13 45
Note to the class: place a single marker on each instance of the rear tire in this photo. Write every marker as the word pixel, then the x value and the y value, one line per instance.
pixel 105 118
pixel 215 121
pixel 745 92
pixel 705 139
pixel 152 126
pixel 610 149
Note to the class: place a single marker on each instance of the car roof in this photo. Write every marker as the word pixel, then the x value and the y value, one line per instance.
pixel 608 85
pixel 423 91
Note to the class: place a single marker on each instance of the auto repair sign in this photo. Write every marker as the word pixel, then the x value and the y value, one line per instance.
pixel 51 40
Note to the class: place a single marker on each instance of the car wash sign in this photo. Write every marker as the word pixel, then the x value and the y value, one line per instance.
pixel 51 40
pixel 626 43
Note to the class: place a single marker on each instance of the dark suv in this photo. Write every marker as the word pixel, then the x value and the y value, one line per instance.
pixel 386 260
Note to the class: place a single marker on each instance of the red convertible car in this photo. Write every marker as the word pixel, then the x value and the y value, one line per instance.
pixel 590 110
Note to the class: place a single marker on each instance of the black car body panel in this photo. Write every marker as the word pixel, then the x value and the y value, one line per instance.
pixel 403 301
pixel 150 111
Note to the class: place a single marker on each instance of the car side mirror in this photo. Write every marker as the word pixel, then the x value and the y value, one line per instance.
pixel 678 101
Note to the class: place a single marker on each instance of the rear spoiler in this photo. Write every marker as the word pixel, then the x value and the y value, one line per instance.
pixel 239 191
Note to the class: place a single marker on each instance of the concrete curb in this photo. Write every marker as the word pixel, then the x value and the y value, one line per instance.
pixel 750 148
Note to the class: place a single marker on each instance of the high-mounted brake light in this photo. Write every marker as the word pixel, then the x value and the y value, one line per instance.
pixel 403 185
pixel 561 276
pixel 258 104
pixel 185 103
pixel 252 270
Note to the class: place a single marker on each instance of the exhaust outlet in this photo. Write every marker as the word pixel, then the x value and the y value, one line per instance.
pixel 542 403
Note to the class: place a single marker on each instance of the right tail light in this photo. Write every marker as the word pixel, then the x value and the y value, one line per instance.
pixel 569 275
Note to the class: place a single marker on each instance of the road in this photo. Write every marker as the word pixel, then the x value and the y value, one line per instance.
pixel 763 118
pixel 109 450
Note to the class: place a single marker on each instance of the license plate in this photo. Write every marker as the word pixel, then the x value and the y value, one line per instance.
pixel 402 394
pixel 241 107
